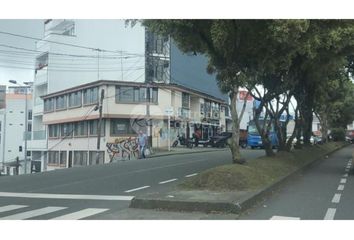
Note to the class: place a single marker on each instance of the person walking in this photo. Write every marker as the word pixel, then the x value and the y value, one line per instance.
pixel 142 139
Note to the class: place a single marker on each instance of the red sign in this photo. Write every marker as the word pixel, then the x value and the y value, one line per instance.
pixel 242 95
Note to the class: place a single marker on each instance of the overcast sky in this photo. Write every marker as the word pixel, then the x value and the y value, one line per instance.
pixel 33 28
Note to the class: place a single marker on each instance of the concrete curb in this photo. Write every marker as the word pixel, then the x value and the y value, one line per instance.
pixel 184 153
pixel 236 207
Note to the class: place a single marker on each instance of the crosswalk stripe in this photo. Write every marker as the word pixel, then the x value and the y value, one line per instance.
pixel 32 213
pixel 81 214
pixel 67 196
pixel 11 207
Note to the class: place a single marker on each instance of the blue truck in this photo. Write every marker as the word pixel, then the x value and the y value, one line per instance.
pixel 254 139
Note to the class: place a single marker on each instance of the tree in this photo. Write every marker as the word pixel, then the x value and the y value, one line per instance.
pixel 237 51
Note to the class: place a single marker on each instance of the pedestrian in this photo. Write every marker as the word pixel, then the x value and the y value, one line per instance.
pixel 142 139
pixel 197 135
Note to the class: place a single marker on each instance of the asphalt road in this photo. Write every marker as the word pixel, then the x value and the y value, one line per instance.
pixel 117 182
pixel 324 191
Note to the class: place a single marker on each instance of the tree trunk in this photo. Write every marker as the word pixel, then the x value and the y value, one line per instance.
pixel 264 132
pixel 234 146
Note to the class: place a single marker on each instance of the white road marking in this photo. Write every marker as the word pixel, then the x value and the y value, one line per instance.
pixel 33 213
pixel 345 175
pixel 136 189
pixel 167 181
pixel 336 198
pixel 343 180
pixel 81 214
pixel 191 175
pixel 330 214
pixel 340 188
pixel 66 196
pixel 11 207
pixel 284 218
pixel 347 170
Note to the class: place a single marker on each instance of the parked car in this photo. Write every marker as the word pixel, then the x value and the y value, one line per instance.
pixel 349 136
pixel 221 140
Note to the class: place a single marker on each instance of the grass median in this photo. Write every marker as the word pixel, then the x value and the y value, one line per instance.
pixel 259 172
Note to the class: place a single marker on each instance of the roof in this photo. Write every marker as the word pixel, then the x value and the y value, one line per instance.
pixel 172 86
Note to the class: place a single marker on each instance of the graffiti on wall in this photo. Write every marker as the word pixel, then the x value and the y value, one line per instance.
pixel 123 149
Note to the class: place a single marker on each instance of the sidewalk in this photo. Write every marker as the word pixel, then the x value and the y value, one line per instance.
pixel 185 150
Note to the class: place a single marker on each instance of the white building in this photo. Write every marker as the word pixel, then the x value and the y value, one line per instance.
pixel 12 120
pixel 73 121
pixel 75 52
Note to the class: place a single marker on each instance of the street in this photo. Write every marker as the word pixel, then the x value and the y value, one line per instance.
pixel 325 191
pixel 96 192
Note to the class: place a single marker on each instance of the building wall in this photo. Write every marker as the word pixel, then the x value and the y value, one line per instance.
pixel 2 136
pixel 15 127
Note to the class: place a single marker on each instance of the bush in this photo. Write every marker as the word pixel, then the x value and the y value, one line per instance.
pixel 338 134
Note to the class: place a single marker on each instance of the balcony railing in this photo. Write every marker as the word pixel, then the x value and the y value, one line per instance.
pixel 35 135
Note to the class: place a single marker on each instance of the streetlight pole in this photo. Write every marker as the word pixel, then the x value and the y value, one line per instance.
pixel 26 122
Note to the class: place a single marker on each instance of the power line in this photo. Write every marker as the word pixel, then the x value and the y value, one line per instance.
pixel 66 44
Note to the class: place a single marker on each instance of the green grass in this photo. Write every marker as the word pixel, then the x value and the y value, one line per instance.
pixel 256 173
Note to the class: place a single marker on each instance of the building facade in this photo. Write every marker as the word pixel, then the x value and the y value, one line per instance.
pixel 72 119
pixel 13 125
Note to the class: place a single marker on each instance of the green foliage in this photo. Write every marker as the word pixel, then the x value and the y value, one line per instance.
pixel 338 134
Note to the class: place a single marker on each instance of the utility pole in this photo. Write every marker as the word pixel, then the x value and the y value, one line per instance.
pixel 26 128
pixel 99 127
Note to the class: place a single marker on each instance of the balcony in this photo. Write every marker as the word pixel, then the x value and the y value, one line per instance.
pixel 41 76
pixel 37 140
pixel 37 109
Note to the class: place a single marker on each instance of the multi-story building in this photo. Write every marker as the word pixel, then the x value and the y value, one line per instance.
pixel 72 119
pixel 12 129
pixel 76 52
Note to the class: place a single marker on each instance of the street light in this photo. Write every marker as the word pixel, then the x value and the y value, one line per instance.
pixel 26 116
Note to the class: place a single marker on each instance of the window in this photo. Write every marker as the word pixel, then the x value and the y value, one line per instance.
pixel 66 130
pixel 53 130
pixel 80 129
pixel 91 96
pixel 126 94
pixel 92 159
pixel 60 102
pixel 135 95
pixel 29 127
pixel 48 105
pixel 42 61
pixel 202 108
pixel 53 157
pixel 185 100
pixel 121 127
pixel 62 159
pixel 80 158
pixel 29 114
pixel 75 99
pixel 93 126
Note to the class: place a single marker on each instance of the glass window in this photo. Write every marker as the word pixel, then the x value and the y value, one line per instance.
pixel 29 114
pixel 121 127
pixel 126 94
pixel 48 105
pixel 142 95
pixel 93 126
pixel 91 95
pixel 53 130
pixel 60 102
pixel 75 99
pixel 53 157
pixel 80 128
pixel 154 95
pixel 92 159
pixel 66 130
pixel 62 159
pixel 185 100
pixel 80 158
